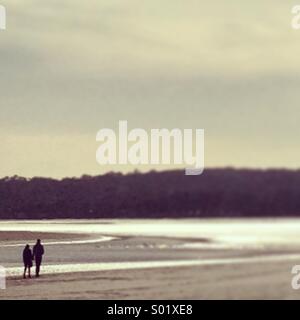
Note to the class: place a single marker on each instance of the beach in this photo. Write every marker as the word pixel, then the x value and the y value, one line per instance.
pixel 217 282
pixel 113 262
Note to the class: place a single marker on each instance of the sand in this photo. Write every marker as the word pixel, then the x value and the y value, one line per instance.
pixel 215 282
pixel 23 236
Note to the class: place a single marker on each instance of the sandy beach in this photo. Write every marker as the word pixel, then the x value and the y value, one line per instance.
pixel 265 281
pixel 99 266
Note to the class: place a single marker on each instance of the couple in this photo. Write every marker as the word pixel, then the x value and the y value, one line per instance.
pixel 28 256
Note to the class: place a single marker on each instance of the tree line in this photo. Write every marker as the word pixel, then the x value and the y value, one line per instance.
pixel 169 194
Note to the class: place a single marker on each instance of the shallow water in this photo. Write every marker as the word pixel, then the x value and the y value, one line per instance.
pixel 91 267
pixel 225 231
pixel 64 242
pixel 196 238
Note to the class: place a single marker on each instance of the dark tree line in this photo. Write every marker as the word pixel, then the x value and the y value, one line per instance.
pixel 215 193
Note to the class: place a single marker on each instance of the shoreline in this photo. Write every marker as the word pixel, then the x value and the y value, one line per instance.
pixel 60 269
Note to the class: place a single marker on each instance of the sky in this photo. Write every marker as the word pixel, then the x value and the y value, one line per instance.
pixel 69 68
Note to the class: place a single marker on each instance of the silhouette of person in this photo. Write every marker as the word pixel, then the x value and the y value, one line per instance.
pixel 27 259
pixel 38 252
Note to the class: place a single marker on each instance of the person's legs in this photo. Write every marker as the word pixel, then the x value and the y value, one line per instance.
pixel 38 262
pixel 29 275
pixel 24 275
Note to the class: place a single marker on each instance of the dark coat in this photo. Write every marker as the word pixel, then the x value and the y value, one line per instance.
pixel 38 251
pixel 27 257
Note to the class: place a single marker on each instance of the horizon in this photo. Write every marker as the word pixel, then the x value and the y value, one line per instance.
pixel 137 171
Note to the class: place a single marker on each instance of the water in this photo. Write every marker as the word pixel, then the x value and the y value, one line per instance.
pixel 92 267
pixel 225 231
pixel 127 244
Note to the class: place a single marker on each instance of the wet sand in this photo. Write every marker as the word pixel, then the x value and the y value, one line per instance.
pixel 263 281
pixel 7 237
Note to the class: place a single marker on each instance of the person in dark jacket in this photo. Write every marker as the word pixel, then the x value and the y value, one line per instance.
pixel 27 259
pixel 38 252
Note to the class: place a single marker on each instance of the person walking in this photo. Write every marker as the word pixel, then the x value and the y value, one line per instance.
pixel 27 259
pixel 38 252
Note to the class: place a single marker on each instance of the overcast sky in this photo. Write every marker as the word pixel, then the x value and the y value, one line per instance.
pixel 70 67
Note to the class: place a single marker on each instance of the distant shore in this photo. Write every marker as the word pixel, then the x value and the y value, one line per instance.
pixel 155 194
